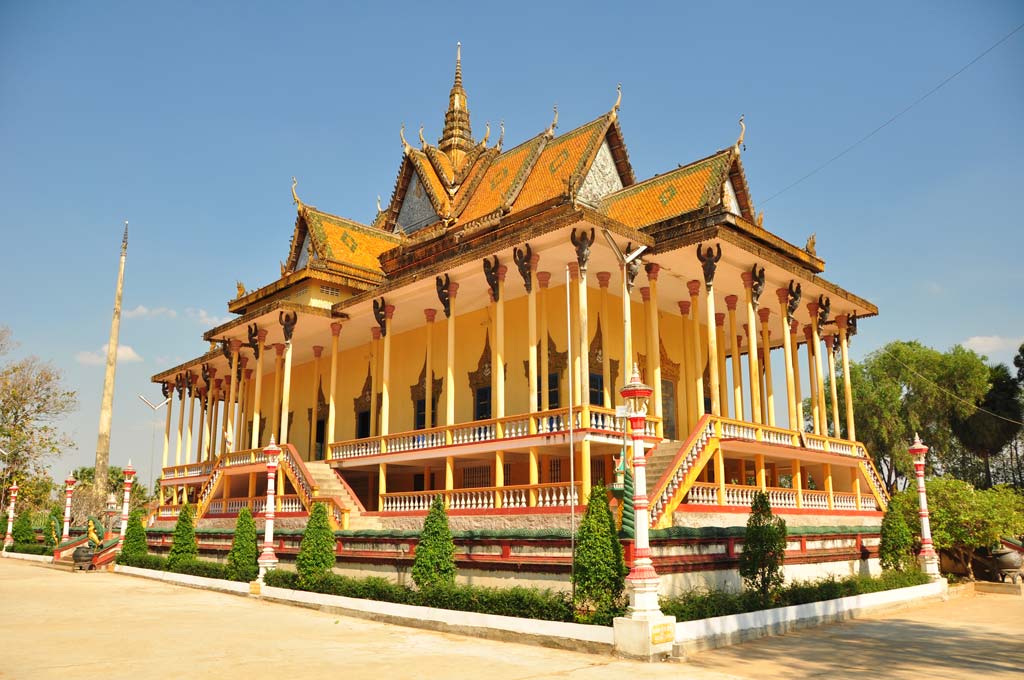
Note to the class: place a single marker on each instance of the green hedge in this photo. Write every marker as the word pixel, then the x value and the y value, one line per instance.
pixel 705 604
pixel 30 549
pixel 529 603
pixel 203 568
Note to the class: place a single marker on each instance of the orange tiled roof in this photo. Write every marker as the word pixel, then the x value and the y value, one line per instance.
pixel 345 241
pixel 563 158
pixel 501 178
pixel 674 193
pixel 433 185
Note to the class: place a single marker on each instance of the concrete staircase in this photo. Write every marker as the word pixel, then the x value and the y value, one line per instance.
pixel 659 459
pixel 330 485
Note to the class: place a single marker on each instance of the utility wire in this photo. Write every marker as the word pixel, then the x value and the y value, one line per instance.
pixel 893 119
pixel 952 394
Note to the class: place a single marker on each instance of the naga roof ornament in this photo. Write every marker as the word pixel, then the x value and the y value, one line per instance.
pixel 743 133
pixel 618 101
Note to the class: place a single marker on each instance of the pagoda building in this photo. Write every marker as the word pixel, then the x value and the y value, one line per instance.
pixel 470 342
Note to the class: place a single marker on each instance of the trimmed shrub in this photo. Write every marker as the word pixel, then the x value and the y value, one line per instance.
pixel 156 562
pixel 241 565
pixel 600 570
pixel 764 548
pixel 203 568
pixel 316 554
pixel 895 549
pixel 22 529
pixel 434 562
pixel 30 548
pixel 183 547
pixel 134 539
pixel 279 578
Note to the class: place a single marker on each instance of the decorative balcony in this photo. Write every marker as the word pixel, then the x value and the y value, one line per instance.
pixel 556 495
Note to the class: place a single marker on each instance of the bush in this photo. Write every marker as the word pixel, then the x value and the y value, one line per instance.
pixel 600 570
pixel 764 548
pixel 203 568
pixel 279 578
pixel 184 547
pixel 30 548
pixel 895 550
pixel 434 562
pixel 134 539
pixel 241 565
pixel 22 529
pixel 156 562
pixel 316 554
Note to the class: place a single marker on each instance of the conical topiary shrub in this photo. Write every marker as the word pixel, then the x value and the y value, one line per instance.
pixel 135 546
pixel 183 547
pixel 764 549
pixel 600 572
pixel 316 554
pixel 22 529
pixel 241 564
pixel 434 563
pixel 896 546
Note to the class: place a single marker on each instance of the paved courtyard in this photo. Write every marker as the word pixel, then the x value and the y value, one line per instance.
pixel 130 627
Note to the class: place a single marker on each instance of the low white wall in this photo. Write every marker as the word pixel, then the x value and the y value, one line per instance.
pixel 692 636
pixel 186 579
pixel 48 559
pixel 673 584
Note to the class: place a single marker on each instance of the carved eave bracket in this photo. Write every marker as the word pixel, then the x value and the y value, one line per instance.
pixel 757 284
pixel 824 309
pixel 380 315
pixel 254 340
pixel 491 274
pixel 522 258
pixel 582 243
pixel 288 321
pixel 709 263
pixel 444 294
pixel 795 293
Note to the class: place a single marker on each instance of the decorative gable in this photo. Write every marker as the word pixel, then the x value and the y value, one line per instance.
pixel 417 211
pixel 602 179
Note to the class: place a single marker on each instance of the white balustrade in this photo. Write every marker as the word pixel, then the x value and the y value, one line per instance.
pixel 290 504
pixel 814 442
pixel 844 501
pixel 782 498
pixel 740 495
pixel 515 497
pixel 815 500
pixel 702 494
pixel 556 496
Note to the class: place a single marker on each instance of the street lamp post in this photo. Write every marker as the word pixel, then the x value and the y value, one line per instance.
pixel 645 632
pixel 129 479
pixel 268 559
pixel 9 537
pixel 928 558
pixel 69 490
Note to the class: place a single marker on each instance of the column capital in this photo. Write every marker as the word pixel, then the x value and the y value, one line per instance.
pixel 842 321
pixel 243 361
pixel 534 261
pixel 248 374
pixel 574 270
pixel 217 383
pixel 809 333
pixel 748 279
pixel 652 270
pixel 261 334
pixel 812 309
pixel 693 287
pixel 730 302
pixel 764 313
pixel 720 319
pixel 684 307
pixel 739 341
pixel 603 278
pixel 389 311
pixel 318 351
pixel 783 295
pixel 829 340
pixel 746 329
pixel 279 349
pixel 375 332
pixel 544 278
pixel 794 326
pixel 430 314
pixel 645 294
pixel 502 271
pixel 336 328
pixel 235 344
pixel 453 289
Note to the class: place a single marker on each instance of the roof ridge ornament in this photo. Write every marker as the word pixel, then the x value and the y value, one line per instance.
pixel 487 133
pixel 554 123
pixel 501 137
pixel 618 102
pixel 743 133
pixel 379 209
pixel 405 145
pixel 295 197
pixel 423 142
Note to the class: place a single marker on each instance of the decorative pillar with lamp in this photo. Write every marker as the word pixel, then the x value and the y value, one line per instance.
pixel 645 632
pixel 928 558
pixel 69 490
pixel 129 479
pixel 9 537
pixel 268 559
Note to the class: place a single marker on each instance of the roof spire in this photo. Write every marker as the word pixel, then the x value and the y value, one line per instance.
pixel 457 137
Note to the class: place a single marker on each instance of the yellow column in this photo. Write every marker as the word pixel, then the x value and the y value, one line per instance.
pixel 798 400
pixel 828 483
pixel 543 279
pixel 215 423
pixel 698 354
pixel 575 358
pixel 686 368
pixel 499 476
pixel 737 369
pixel 222 434
pixel 331 435
pixel 766 343
pixel 428 374
pixel 229 424
pixel 720 475
pixel 498 361
pixel 843 322
pixel 603 278
pixel 252 485
pixel 812 386
pixel 169 391
pixel 787 355
pixel 180 386
pixel 276 404
pixel 534 476
pixel 318 352
pixel 713 376
pixel 382 484
pixel 723 378
pixel 762 482
pixel 385 383
pixel 752 360
pixel 191 416
pixel 584 385
pixel 653 345
pixel 829 344
pixel 201 436
pixel 209 415
pixel 856 486
pixel 798 483
pixel 628 357
pixel 243 408
pixel 531 342
pixel 374 378
pixel 426 478
pixel 819 371
pixel 449 375
pixel 449 477
pixel 286 392
pixel 257 399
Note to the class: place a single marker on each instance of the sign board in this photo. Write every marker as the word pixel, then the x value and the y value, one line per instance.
pixel 621 412
pixel 663 633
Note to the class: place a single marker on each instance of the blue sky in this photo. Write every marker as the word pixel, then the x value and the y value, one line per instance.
pixel 190 120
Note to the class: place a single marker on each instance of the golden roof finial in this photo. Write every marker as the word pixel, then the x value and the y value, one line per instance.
pixel 618 101
pixel 458 64
pixel 501 137
pixel 295 197
pixel 405 144
pixel 743 133
pixel 554 123
pixel 487 133
pixel 423 142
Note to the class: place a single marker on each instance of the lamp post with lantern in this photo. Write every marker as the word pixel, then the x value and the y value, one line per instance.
pixel 928 557
pixel 268 558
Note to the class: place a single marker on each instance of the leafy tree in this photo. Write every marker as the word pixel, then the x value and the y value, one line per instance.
pixel 764 549
pixel 895 551
pixel 906 388
pixel 434 563
pixel 316 554
pixel 183 543
pixel 135 545
pixel 22 530
pixel 599 576
pixel 984 434
pixel 33 400
pixel 242 564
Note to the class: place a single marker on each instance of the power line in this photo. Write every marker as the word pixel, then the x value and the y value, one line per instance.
pixel 893 119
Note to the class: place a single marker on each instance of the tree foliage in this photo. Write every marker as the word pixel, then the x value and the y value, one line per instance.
pixel 984 434
pixel 22 530
pixel 242 557
pixel 135 545
pixel 895 551
pixel 316 554
pixel 183 543
pixel 600 572
pixel 434 563
pixel 764 549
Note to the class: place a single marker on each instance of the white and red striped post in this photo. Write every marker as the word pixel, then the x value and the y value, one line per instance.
pixel 129 479
pixel 928 557
pixel 9 538
pixel 69 490
pixel 268 559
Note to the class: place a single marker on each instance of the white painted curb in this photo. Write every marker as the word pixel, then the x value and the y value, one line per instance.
pixel 47 559
pixel 186 579
pixel 723 630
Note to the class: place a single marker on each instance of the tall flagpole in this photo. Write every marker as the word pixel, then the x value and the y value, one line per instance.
pixel 107 405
